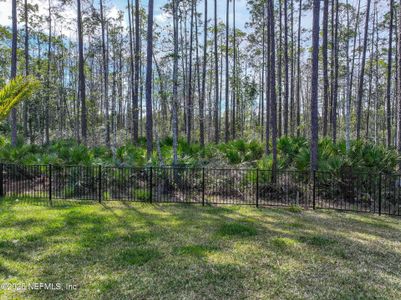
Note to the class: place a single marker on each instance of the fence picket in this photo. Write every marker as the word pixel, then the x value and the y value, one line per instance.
pixel 50 184
pixel 100 183
pixel 349 191
pixel 1 181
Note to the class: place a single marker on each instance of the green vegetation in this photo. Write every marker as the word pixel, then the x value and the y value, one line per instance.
pixel 141 194
pixel 232 229
pixel 295 208
pixel 137 256
pixel 14 92
pixel 140 251
pixel 293 154
pixel 284 243
pixel 196 250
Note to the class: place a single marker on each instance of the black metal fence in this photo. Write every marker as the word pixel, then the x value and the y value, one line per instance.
pixel 362 192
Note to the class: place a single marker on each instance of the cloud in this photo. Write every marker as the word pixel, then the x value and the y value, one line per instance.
pixel 113 12
pixel 162 18
pixel 5 13
pixel 67 25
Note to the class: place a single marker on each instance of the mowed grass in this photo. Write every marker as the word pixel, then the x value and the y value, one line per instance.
pixel 172 251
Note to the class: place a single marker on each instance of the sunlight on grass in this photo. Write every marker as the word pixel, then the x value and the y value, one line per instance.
pixel 137 251
pixel 196 250
pixel 284 243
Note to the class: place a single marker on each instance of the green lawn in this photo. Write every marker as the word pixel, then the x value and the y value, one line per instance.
pixel 172 251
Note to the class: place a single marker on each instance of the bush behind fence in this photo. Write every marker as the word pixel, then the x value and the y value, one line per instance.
pixel 363 192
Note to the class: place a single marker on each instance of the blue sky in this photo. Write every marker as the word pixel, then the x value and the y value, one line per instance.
pixel 242 15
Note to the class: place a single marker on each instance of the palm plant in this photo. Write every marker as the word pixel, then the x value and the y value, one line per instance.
pixel 17 90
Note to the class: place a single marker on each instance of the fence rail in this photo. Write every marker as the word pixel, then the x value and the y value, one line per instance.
pixel 350 191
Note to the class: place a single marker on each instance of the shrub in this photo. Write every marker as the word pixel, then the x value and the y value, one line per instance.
pixel 141 194
pixel 106 196
pixel 69 191
pixel 295 208
pixel 293 153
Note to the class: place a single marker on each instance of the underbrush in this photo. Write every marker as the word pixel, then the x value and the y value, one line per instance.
pixel 292 154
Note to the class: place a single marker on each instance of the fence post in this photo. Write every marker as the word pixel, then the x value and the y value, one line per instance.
pixel 50 184
pixel 203 186
pixel 1 180
pixel 151 185
pixel 380 194
pixel 314 190
pixel 257 188
pixel 100 184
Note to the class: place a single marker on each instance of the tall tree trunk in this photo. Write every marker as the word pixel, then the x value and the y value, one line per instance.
pixel 216 78
pixel 292 94
pixel 111 116
pixel 202 98
pixel 141 92
pixel 190 93
pixel 376 100
pixel 184 64
pixel 105 75
pixel 389 74
pixel 371 58
pixel 234 88
pixel 348 98
pixel 286 67
pixel 362 74
pixel 280 71
pixel 298 94
pixel 62 95
pixel 325 66
pixel 335 83
pixel 227 128
pixel 26 54
pixel 135 100
pixel 266 21
pixel 331 93
pixel 49 57
pixel 131 60
pixel 261 101
pixel 81 84
pixel 394 98
pixel 197 58
pixel 14 70
pixel 183 55
pixel 350 76
pixel 149 54
pixel 272 85
pixel 120 117
pixel 221 72
pixel 314 86
pixel 399 81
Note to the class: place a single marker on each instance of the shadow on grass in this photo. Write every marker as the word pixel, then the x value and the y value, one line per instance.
pixel 138 250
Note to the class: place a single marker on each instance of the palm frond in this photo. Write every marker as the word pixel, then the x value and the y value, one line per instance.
pixel 17 90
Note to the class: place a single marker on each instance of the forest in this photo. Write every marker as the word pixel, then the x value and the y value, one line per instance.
pixel 298 84
pixel 200 149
